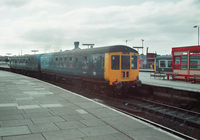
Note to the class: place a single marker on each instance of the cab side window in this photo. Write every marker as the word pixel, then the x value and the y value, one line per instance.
pixel 115 59
pixel 134 61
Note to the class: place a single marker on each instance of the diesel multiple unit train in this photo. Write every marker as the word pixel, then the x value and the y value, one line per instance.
pixel 111 67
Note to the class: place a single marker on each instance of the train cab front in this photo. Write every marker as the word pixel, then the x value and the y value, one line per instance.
pixel 122 71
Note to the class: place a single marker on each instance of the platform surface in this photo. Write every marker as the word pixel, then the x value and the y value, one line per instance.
pixel 34 110
pixel 175 84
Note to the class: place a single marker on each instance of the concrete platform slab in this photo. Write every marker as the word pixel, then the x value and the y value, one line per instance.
pixel 174 84
pixel 93 122
pixel 52 119
pixel 116 136
pixel 70 125
pixel 64 134
pixel 44 127
pixel 98 130
pixel 44 111
pixel 26 137
pixel 7 131
pixel 10 123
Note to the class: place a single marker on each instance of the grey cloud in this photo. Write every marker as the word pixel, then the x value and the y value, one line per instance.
pixel 13 3
pixel 165 23
pixel 45 35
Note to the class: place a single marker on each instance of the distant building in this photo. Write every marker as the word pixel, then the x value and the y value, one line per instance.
pixel 150 59
pixel 147 61
pixel 186 60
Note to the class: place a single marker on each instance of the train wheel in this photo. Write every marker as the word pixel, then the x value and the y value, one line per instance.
pixel 118 89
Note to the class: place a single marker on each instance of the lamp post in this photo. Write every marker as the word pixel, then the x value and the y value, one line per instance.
pixel 198 32
pixel 142 45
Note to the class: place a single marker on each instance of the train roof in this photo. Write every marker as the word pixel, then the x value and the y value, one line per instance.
pixel 164 57
pixel 99 50
pixel 27 56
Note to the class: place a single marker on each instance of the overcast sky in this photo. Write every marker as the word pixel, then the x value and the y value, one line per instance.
pixel 53 25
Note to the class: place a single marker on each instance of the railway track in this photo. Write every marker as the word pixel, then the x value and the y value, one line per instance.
pixel 179 121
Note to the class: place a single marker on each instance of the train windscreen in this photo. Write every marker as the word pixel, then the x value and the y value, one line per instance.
pixel 125 62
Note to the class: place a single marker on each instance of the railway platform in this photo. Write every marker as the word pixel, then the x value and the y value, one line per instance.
pixel 33 109
pixel 173 84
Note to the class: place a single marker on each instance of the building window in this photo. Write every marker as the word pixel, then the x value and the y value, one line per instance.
pixel 195 62
pixel 177 60
pixel 180 53
pixel 183 62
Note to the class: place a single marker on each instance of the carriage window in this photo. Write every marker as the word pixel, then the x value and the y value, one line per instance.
pixel 70 63
pixel 23 62
pixel 162 64
pixel 101 62
pixel 61 62
pixel 115 62
pixel 134 62
pixel 169 64
pixel 125 62
pixel 65 62
pixel 47 62
pixel 76 63
pixel 85 62
pixel 94 62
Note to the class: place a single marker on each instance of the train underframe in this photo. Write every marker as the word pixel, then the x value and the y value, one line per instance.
pixel 118 88
pixel 123 87
pixel 101 86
